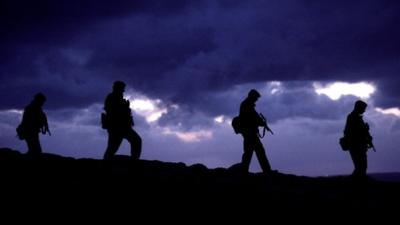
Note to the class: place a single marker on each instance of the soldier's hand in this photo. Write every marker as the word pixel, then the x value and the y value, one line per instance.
pixel 45 130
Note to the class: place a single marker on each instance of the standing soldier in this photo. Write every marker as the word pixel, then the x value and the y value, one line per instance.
pixel 34 121
pixel 357 133
pixel 119 122
pixel 250 121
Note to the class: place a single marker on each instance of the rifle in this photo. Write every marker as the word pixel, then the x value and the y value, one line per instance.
pixel 370 143
pixel 265 124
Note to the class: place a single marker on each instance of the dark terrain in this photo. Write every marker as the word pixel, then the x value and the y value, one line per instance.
pixel 54 183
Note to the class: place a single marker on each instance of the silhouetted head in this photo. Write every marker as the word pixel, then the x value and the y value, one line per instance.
pixel 119 86
pixel 360 106
pixel 254 95
pixel 39 99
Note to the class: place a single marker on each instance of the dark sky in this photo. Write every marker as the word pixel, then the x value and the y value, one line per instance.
pixel 190 62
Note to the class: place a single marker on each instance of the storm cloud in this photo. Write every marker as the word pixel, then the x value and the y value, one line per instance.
pixel 181 49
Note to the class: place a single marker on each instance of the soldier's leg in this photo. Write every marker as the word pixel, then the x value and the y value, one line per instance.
pixel 247 153
pixel 114 141
pixel 34 148
pixel 136 143
pixel 363 163
pixel 261 156
pixel 357 158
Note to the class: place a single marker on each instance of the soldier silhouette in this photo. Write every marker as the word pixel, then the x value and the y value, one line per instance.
pixel 119 122
pixel 34 121
pixel 250 120
pixel 357 133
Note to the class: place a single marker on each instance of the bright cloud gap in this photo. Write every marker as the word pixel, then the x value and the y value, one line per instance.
pixel 275 87
pixel 219 119
pixel 151 109
pixel 392 111
pixel 336 90
pixel 190 136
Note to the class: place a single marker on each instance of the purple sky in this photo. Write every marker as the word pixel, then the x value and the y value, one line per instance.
pixel 189 64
